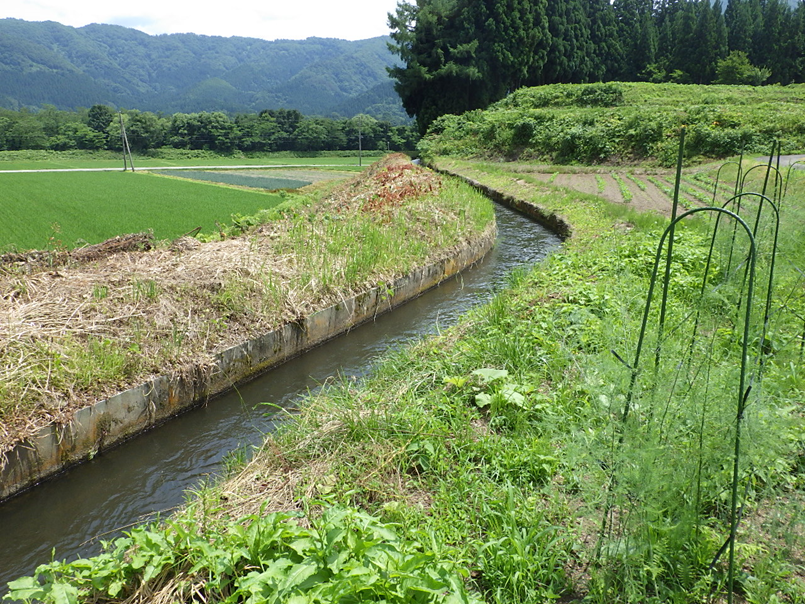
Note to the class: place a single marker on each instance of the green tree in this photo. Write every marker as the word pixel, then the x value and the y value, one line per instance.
pixel 463 54
pixel 145 130
pixel 87 138
pixel 638 32
pixel 6 123
pixel 287 120
pixel 774 49
pixel 258 132
pixel 99 117
pixel 365 126
pixel 311 135
pixel 607 46
pixel 571 53
pixel 708 43
pixel 744 25
pixel 736 68
pixel 26 133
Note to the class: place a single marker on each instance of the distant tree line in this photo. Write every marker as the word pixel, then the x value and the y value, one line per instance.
pixel 465 54
pixel 98 128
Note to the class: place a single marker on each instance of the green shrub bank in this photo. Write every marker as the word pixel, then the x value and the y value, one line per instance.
pixel 491 445
pixel 596 123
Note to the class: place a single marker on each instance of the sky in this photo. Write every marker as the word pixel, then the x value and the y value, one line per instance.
pixel 266 19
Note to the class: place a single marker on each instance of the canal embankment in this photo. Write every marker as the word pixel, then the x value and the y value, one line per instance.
pixel 199 319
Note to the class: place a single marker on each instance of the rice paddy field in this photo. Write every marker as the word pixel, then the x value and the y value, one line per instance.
pixel 86 160
pixel 47 210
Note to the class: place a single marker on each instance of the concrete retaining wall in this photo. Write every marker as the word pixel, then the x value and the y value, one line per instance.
pixel 109 422
pixel 551 220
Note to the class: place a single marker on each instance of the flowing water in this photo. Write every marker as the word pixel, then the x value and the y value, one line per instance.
pixel 151 473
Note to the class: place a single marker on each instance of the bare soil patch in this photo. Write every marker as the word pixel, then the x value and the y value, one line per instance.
pixel 648 199
pixel 586 183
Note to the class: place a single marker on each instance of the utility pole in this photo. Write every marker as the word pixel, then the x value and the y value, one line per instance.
pixel 360 142
pixel 125 141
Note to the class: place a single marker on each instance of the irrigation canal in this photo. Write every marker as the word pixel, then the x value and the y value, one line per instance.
pixel 150 474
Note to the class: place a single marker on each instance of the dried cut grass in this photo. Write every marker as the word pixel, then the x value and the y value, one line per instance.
pixel 112 316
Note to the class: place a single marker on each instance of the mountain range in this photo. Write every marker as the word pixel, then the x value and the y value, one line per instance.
pixel 68 67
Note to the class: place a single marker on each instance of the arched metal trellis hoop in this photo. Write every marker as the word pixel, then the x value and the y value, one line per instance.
pixel 718 178
pixel 788 174
pixel 778 179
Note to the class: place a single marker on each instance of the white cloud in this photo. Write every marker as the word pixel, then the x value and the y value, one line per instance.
pixel 270 19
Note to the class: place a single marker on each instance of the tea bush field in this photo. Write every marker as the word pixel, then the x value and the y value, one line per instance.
pixel 41 210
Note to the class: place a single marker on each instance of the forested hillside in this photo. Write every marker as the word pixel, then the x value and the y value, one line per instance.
pixel 465 55
pixel 49 63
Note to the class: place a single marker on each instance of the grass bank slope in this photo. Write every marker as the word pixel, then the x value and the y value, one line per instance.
pixel 616 122
pixel 494 464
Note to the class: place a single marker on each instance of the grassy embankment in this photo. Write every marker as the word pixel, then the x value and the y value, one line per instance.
pixel 624 122
pixel 488 456
pixel 77 331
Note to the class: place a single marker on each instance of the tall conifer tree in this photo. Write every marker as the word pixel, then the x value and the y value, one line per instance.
pixel 638 34
pixel 464 54
pixel 607 45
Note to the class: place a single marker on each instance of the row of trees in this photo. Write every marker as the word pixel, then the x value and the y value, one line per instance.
pixel 464 54
pixel 271 130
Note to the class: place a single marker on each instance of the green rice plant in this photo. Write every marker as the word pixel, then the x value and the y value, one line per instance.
pixel 174 158
pixel 90 207
pixel 553 178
